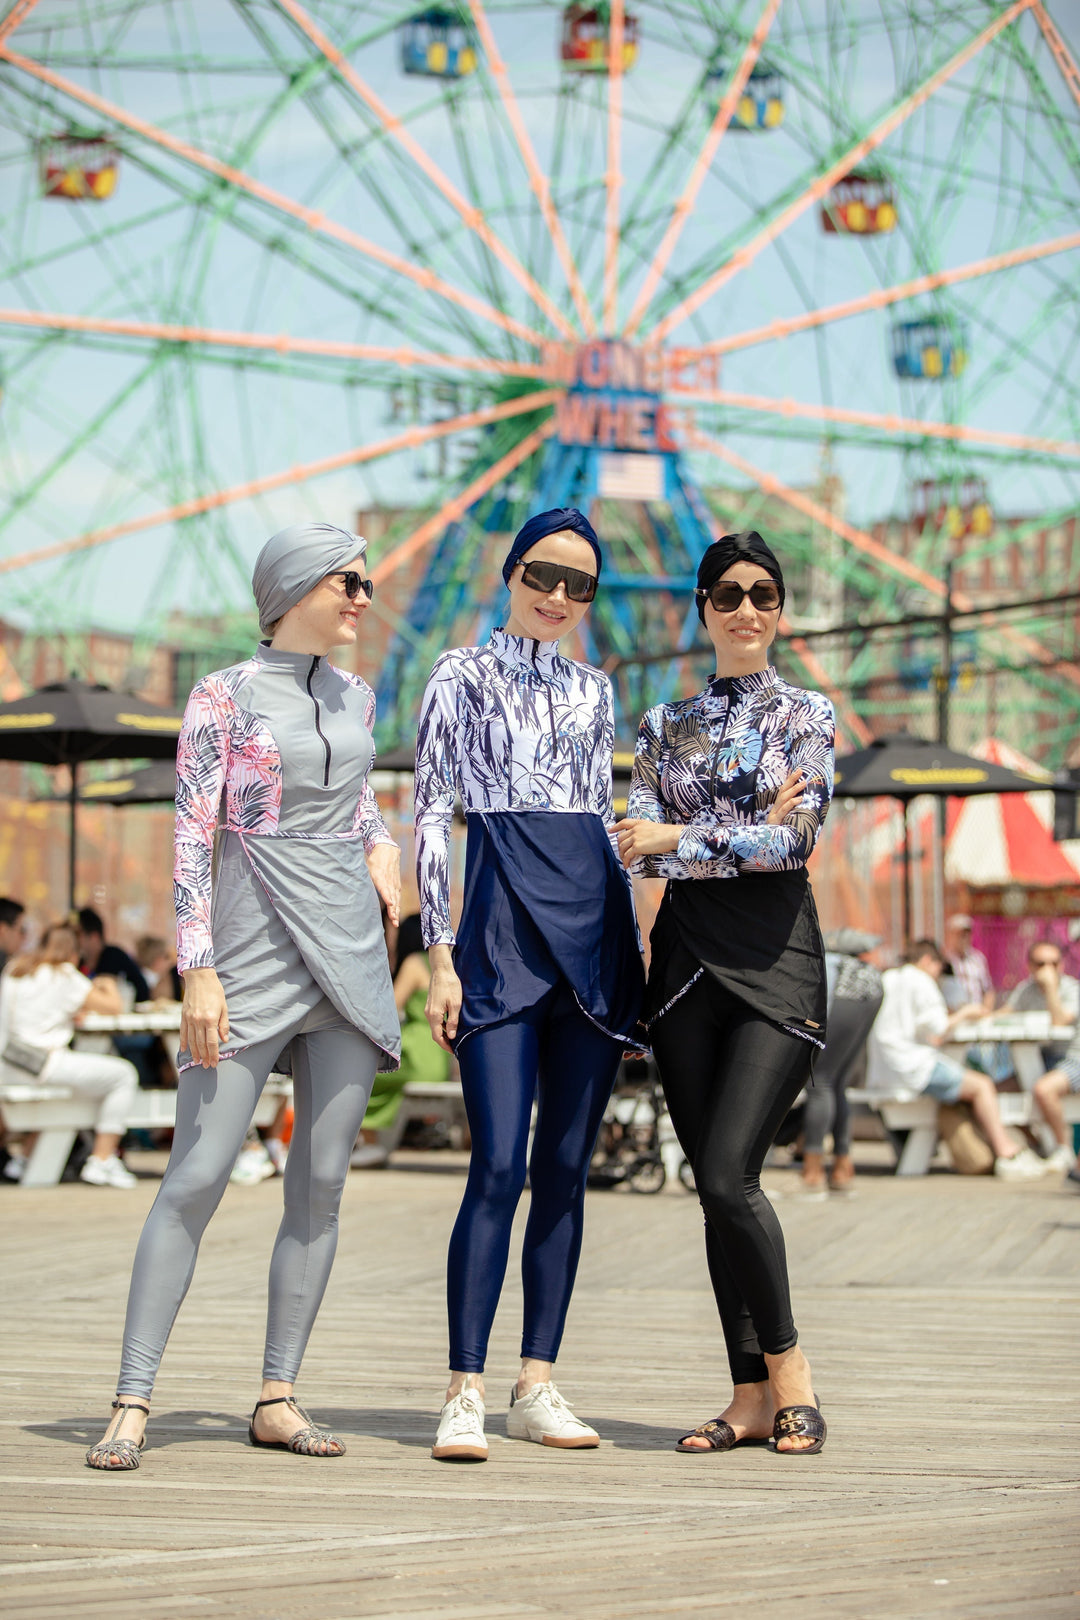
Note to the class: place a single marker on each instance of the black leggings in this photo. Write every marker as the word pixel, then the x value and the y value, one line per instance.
pixel 729 1077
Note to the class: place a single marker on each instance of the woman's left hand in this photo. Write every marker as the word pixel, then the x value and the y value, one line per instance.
pixel 384 864
pixel 638 838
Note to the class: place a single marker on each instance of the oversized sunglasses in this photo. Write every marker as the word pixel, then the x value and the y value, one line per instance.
pixel 727 595
pixel 355 583
pixel 546 576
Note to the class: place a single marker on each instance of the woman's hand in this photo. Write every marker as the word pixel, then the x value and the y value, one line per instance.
pixel 204 1017
pixel 788 799
pixel 384 864
pixel 444 996
pixel 638 838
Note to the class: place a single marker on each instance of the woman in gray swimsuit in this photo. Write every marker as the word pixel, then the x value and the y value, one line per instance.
pixel 284 964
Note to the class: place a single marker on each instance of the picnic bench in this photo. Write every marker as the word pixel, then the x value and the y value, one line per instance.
pixel 915 1114
pixel 57 1114
pixel 440 1100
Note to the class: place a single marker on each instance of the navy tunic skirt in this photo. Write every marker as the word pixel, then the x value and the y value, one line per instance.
pixel 546 899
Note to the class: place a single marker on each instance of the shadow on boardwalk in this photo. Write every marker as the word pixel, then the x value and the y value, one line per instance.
pixel 941 1317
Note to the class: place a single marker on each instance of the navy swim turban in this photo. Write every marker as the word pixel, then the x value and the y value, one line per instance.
pixel 539 527
pixel 733 548
pixel 294 560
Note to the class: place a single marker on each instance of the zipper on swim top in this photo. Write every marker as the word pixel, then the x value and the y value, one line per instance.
pixel 318 727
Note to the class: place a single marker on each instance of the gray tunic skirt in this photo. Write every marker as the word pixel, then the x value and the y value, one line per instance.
pixel 287 912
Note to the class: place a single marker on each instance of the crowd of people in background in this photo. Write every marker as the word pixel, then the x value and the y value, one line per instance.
pixel 886 1028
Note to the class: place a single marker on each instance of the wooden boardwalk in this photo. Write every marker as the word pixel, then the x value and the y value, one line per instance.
pixel 942 1317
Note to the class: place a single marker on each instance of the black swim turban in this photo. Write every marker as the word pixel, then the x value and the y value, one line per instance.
pixel 539 527
pixel 733 548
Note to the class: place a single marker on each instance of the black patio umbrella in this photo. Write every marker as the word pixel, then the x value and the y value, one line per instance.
pixel 73 722
pixel 146 784
pixel 904 767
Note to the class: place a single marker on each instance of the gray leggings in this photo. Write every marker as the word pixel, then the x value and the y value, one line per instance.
pixel 333 1070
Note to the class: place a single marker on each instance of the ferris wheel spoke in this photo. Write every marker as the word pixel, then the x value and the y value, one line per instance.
pixel 313 219
pixel 537 178
pixel 1069 70
pixel 455 508
pixel 881 297
pixel 410 439
pixel 744 256
pixel 16 17
pixel 914 426
pixel 613 171
pixel 470 214
pixel 684 206
pixel 270 342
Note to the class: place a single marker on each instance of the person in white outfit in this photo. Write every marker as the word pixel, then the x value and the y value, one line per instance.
pixel 903 1054
pixel 42 995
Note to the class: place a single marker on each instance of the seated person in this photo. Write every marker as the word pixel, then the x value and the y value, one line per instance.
pixel 1049 1091
pixel 854 996
pixel 903 1054
pixel 1047 989
pixel 157 963
pixel 42 996
pixel 974 986
pixel 96 957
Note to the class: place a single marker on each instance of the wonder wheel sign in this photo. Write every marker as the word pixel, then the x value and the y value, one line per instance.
pixel 689 266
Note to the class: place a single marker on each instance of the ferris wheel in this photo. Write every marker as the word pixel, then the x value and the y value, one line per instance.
pixel 664 260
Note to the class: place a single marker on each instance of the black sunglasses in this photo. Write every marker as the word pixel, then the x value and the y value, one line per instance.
pixel 546 576
pixel 355 583
pixel 727 595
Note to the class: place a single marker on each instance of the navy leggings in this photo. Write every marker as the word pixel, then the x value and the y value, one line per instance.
pixel 553 1054
pixel 729 1078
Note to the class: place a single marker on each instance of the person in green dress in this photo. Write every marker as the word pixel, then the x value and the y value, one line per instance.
pixel 421 1058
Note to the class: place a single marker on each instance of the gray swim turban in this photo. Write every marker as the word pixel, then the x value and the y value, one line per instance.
pixel 294 560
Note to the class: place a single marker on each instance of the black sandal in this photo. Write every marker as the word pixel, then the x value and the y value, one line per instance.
pixel 720 1435
pixel 116 1456
pixel 304 1442
pixel 800 1421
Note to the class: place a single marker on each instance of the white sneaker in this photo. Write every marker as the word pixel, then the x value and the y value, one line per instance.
pixel 253 1165
pixel 542 1415
pixel 107 1173
pixel 461 1429
pixel 1023 1166
pixel 1061 1160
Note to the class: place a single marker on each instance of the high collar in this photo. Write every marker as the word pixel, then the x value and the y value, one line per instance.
pixel 292 663
pixel 521 652
pixel 762 681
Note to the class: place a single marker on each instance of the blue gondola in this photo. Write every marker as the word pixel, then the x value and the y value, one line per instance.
pixel 761 105
pixel 929 348
pixel 438 45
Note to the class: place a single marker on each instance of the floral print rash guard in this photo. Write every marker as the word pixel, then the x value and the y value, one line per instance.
pixel 714 763
pixel 287 738
pixel 509 726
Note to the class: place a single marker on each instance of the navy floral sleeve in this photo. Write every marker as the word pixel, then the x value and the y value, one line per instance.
pixel 714 764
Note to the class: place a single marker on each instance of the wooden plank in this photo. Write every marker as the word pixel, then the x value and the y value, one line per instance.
pixel 941 1316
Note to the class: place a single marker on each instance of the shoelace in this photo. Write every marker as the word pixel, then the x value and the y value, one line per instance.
pixel 466 1413
pixel 553 1399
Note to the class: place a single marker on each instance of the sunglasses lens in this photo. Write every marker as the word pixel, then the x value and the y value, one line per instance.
pixel 354 584
pixel 727 597
pixel 547 576
pixel 765 596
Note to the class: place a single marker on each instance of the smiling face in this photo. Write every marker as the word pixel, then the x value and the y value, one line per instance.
pixel 325 617
pixel 742 639
pixel 548 615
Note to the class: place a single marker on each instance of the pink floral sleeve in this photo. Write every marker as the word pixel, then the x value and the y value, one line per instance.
pixel 368 821
pixel 202 761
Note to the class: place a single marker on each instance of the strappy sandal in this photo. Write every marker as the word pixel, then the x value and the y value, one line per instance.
pixel 117 1456
pixel 720 1435
pixel 305 1442
pixel 802 1421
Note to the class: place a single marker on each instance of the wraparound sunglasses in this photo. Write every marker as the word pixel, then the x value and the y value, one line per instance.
pixel 727 595
pixel 546 576
pixel 355 583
